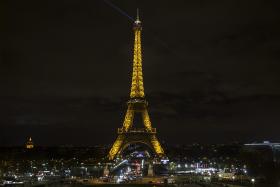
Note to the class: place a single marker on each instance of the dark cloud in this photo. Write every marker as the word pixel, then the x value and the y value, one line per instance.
pixel 178 117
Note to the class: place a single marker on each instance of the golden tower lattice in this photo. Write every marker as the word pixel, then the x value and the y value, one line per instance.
pixel 136 104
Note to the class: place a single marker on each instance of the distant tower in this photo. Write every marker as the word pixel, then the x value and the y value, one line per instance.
pixel 137 104
pixel 29 144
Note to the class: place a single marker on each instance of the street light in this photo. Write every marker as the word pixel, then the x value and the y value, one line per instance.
pixel 253 181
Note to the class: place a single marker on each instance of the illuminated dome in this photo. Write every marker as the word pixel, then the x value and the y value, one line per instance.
pixel 29 144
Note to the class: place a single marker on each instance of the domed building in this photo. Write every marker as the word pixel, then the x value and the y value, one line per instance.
pixel 29 144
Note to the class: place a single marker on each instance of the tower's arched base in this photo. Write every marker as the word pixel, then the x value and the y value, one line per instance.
pixel 130 137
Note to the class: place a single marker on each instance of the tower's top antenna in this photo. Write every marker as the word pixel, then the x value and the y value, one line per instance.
pixel 137 16
pixel 137 21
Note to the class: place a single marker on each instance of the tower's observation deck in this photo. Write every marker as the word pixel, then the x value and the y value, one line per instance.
pixel 137 130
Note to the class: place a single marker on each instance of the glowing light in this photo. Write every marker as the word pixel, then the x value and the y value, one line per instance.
pixel 164 161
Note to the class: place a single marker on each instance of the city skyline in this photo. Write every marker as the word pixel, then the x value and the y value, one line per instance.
pixel 211 71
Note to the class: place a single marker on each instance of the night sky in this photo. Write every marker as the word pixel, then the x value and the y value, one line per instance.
pixel 211 70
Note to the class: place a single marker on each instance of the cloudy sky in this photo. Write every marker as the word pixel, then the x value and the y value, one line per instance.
pixel 211 70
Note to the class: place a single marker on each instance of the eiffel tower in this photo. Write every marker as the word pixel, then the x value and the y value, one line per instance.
pixel 136 104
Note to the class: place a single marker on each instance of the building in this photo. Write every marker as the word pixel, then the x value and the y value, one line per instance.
pixel 29 144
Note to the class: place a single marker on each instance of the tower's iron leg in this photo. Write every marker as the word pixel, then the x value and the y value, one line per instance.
pixel 156 145
pixel 116 147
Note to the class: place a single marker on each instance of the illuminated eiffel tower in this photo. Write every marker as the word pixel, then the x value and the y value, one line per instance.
pixel 136 104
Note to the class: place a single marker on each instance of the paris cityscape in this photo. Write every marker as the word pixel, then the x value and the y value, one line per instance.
pixel 139 93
